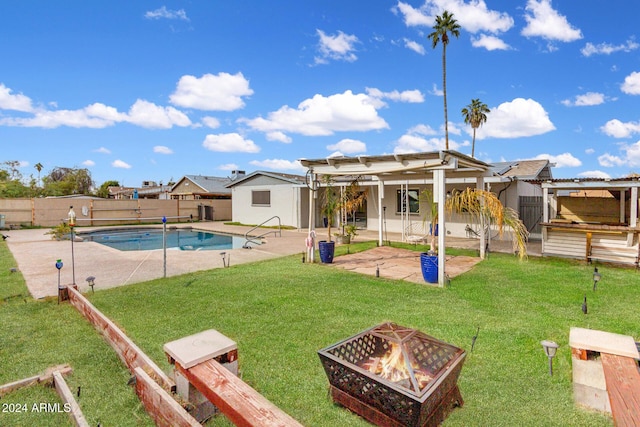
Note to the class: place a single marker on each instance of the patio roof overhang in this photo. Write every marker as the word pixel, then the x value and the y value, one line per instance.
pixel 394 166
pixel 438 165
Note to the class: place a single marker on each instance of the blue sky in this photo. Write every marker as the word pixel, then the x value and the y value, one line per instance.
pixel 151 90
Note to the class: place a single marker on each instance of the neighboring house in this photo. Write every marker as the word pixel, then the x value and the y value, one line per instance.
pixel 149 190
pixel 261 195
pixel 194 187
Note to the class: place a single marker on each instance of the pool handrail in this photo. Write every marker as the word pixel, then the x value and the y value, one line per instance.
pixel 253 239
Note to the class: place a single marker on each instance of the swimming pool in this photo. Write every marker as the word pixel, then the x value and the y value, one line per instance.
pixel 145 239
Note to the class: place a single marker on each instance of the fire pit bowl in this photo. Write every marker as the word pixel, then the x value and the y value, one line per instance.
pixel 395 376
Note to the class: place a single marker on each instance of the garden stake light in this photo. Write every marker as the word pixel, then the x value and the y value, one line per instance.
pixel 550 348
pixel 91 281
pixel 584 304
pixel 59 267
pixel 596 278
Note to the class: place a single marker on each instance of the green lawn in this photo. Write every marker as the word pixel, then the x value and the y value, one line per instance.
pixel 280 312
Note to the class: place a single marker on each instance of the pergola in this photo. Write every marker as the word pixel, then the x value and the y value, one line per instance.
pixel 437 167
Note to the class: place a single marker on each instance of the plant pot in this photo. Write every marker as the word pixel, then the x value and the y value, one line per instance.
pixel 429 267
pixel 327 250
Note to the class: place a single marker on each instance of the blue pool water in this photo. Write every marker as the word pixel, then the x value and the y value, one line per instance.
pixel 143 239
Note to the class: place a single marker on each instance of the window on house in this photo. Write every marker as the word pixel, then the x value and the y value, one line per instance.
pixel 413 205
pixel 261 198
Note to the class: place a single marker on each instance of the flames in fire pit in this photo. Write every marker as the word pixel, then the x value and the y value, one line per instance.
pixel 392 366
pixel 394 376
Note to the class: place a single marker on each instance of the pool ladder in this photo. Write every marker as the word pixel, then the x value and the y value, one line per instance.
pixel 255 239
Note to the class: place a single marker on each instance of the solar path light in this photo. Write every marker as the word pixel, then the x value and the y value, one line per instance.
pixel 550 348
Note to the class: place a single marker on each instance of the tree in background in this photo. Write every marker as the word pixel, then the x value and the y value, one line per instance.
pixel 444 26
pixel 475 114
pixel 103 191
pixel 67 181
pixel 11 184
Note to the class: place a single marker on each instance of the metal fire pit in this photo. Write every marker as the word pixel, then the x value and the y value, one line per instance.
pixel 421 392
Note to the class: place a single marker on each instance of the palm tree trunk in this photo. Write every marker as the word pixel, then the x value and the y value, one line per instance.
pixel 473 144
pixel 444 92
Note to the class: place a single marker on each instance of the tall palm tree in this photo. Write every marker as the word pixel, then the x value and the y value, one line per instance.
pixel 475 114
pixel 445 25
pixel 38 167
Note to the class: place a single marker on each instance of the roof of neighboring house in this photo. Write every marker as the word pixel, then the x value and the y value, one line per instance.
pixel 523 169
pixel 208 184
pixel 293 179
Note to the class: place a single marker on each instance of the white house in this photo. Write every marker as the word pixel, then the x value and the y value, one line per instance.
pixel 261 195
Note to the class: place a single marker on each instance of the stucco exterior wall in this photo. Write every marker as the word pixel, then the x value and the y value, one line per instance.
pixel 288 201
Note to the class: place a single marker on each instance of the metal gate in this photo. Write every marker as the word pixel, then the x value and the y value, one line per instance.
pixel 531 208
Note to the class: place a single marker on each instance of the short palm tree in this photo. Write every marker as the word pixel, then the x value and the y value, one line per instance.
pixel 445 25
pixel 475 114
pixel 483 207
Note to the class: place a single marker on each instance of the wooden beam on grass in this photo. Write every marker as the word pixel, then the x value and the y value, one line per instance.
pixel 70 404
pixel 160 405
pixel 46 377
pixel 240 403
pixel 127 350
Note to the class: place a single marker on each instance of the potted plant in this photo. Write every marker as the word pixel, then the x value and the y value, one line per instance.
pixel 429 259
pixel 352 198
pixel 330 205
pixel 485 208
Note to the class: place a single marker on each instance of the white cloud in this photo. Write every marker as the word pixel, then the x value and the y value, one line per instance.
pixel 632 154
pixel 414 46
pixel 17 102
pixel 349 146
pixel 211 122
pixel 164 13
pixel 631 85
pixel 414 140
pixel 277 164
pixel 149 115
pixel 322 115
pixel 589 151
pixel 618 129
pixel 339 47
pixel 411 96
pixel 473 17
pixel 607 49
pixel 587 99
pixel 222 92
pixel 88 163
pixel 489 42
pixel 94 116
pixel 161 149
pixel 228 167
pixel 607 160
pixel 278 136
pixel 120 164
pixel 437 92
pixel 544 21
pixel 102 150
pixel 518 118
pixel 230 143
pixel 422 130
pixel 561 160
pixel 335 154
pixel 594 174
